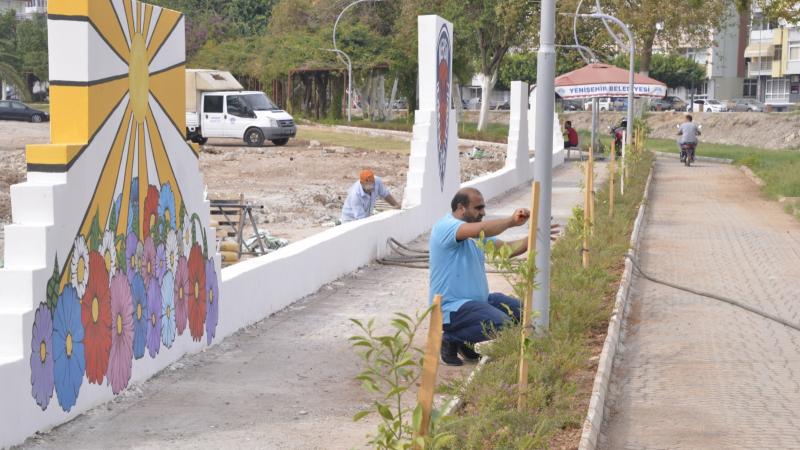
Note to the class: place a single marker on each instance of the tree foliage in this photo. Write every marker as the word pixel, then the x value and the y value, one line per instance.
pixel 681 24
pixel 673 70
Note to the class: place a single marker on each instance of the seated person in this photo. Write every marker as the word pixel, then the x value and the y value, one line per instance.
pixel 572 136
pixel 362 196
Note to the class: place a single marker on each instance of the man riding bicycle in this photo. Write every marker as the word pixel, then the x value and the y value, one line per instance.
pixel 688 132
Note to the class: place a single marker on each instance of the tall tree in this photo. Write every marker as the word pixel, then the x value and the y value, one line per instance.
pixel 788 10
pixel 494 27
pixel 688 23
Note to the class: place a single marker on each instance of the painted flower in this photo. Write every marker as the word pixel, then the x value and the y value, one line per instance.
pixel 161 261
pixel 108 250
pixel 166 208
pixel 181 294
pixel 148 260
pixel 121 357
pixel 168 309
pixel 133 206
pixel 172 251
pixel 150 211
pixel 187 235
pixel 153 317
pixel 212 301
pixel 197 292
pixel 68 357
pixel 96 319
pixel 139 315
pixel 131 243
pixel 80 265
pixel 42 357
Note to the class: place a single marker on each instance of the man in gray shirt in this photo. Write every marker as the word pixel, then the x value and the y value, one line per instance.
pixel 688 132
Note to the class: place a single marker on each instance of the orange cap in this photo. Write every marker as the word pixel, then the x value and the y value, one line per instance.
pixel 367 176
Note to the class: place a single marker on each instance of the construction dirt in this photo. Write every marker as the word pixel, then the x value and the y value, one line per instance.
pixel 301 186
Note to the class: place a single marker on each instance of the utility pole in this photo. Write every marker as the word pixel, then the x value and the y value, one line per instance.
pixel 543 167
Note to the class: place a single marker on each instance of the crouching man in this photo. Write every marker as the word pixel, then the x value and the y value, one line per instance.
pixel 457 273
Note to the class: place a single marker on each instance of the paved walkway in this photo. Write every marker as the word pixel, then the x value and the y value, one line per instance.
pixel 692 372
pixel 288 381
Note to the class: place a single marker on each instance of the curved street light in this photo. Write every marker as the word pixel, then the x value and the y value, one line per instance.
pixel 340 53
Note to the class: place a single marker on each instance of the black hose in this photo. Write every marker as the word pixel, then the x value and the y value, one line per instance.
pixel 729 301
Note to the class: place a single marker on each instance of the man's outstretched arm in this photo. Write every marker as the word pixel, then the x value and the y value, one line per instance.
pixel 492 227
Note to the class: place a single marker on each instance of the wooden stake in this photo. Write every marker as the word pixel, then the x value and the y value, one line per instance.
pixel 611 180
pixel 591 191
pixel 586 206
pixel 430 366
pixel 622 164
pixel 526 308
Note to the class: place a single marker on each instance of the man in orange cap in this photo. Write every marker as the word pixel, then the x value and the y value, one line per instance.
pixel 363 194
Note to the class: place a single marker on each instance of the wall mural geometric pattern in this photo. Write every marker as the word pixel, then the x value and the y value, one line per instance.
pixel 138 273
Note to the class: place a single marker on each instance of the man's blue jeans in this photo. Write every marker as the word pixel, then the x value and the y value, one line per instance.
pixel 474 318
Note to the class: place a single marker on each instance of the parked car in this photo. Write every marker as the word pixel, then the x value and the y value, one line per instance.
pixel 660 104
pixel 678 104
pixel 746 104
pixel 504 106
pixel 14 110
pixel 605 104
pixel 709 105
pixel 400 104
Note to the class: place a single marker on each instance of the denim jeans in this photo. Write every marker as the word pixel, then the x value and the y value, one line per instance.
pixel 474 318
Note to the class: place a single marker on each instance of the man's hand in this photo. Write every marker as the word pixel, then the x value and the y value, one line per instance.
pixel 519 217
pixel 554 231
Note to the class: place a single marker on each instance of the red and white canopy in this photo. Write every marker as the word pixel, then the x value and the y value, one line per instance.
pixel 604 80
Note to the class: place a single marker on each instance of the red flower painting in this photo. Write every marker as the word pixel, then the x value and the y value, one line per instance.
pixel 197 293
pixel 96 318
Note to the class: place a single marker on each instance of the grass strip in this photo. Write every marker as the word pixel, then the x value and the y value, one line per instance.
pixel 561 364
pixel 346 139
pixel 780 169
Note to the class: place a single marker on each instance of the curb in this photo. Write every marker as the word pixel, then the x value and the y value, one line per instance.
pixel 698 158
pixel 594 417
pixel 752 176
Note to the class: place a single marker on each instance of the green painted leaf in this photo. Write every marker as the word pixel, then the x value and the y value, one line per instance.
pixel 52 287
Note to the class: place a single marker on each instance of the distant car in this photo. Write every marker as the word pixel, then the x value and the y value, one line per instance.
pixel 678 104
pixel 709 105
pixel 504 106
pixel 660 104
pixel 747 104
pixel 605 104
pixel 14 110
pixel 400 104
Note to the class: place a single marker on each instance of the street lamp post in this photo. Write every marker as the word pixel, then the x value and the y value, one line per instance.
pixel 340 53
pixel 631 52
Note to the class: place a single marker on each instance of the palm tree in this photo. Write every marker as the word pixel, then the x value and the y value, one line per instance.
pixel 9 68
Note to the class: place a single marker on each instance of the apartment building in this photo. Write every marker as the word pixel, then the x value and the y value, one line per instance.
pixel 723 61
pixel 773 62
pixel 24 8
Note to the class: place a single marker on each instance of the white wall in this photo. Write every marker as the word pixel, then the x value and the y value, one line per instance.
pixel 252 289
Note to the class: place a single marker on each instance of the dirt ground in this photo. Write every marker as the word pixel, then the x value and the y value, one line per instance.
pixel 775 131
pixel 300 186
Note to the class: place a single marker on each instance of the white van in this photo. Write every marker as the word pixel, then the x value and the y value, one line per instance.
pixel 217 107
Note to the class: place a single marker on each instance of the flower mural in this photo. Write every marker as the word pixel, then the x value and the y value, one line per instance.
pixel 168 310
pixel 96 319
pixel 138 270
pixel 42 357
pixel 153 317
pixel 68 355
pixel 121 356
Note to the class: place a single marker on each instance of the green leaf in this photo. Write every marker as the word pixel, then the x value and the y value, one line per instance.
pixel 95 238
pixel 360 415
pixel 384 411
pixel 416 418
pixel 52 287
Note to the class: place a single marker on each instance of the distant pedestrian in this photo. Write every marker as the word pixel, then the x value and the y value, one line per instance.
pixel 362 196
pixel 572 136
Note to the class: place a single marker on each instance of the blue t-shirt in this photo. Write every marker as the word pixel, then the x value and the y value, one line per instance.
pixel 456 268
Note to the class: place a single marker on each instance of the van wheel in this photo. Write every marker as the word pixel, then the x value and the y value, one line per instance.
pixel 280 142
pixel 254 137
pixel 708 110
pixel 201 140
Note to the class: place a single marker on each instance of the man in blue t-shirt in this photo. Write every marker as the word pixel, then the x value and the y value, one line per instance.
pixel 457 273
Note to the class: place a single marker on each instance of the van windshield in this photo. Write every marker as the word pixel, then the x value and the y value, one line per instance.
pixel 259 102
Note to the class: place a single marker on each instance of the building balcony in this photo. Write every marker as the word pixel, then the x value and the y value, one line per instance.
pixel 761 35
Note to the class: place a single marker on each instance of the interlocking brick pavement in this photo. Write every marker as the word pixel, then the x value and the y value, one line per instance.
pixel 692 372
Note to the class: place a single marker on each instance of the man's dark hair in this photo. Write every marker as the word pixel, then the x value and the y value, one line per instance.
pixel 462 198
pixel 568 123
pixel 689 117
